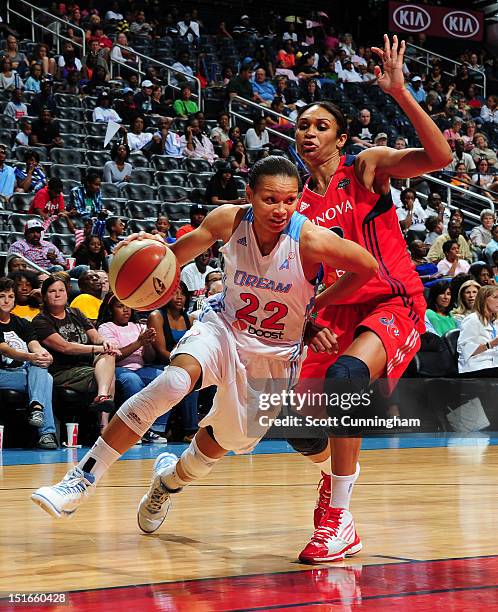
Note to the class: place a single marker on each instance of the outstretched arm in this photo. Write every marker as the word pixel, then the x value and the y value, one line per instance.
pixel 321 245
pixel 407 163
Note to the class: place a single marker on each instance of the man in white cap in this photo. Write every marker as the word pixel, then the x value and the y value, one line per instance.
pixel 42 253
pixel 416 89
pixel 143 99
pixel 380 140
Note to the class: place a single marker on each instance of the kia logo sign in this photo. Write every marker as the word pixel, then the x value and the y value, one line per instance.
pixel 461 24
pixel 411 18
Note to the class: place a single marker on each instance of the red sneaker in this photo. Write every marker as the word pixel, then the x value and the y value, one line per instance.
pixel 323 500
pixel 334 539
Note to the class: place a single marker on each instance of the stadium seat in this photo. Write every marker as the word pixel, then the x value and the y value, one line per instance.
pixel 89 102
pixel 173 177
pixel 95 129
pixel 143 176
pixel 68 184
pixel 21 152
pixel 451 340
pixel 7 122
pixel 170 193
pixel 164 162
pixel 19 220
pixel 67 100
pixel 241 182
pixel 67 112
pixel 138 160
pixel 177 212
pixel 59 226
pixel 70 157
pixel 109 190
pixel 20 202
pixel 143 210
pixel 65 172
pixel 6 136
pixel 198 195
pixel 117 208
pixel 197 165
pixel 64 242
pixel 68 126
pixel 140 225
pixel 73 141
pixel 134 191
pixel 97 158
pixel 95 143
pixel 199 180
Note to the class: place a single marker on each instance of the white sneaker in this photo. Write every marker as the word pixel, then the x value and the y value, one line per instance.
pixel 62 499
pixel 155 504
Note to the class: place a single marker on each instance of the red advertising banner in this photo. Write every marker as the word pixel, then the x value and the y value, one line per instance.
pixel 436 21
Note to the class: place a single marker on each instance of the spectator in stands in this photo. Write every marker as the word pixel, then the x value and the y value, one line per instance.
pixel 167 142
pixel 124 55
pixel 262 60
pixel 468 138
pixel 114 13
pixel 136 139
pixel 481 150
pixel 186 72
pixel 213 285
pixel 362 130
pixel 42 253
pixel 492 245
pixel 257 137
pixel 45 131
pixel 411 215
pixel 426 270
pixel 170 324
pixel 118 169
pixel 41 56
pixel 459 156
pixel 466 299
pixel 24 366
pixel 189 29
pixel 82 360
pixel 91 252
pixel 197 214
pixel 196 144
pixel 434 227
pixel 452 264
pixel 85 200
pixel 97 81
pixel 380 139
pixel 160 103
pixel 185 106
pixel 96 57
pixel 282 91
pixel 489 112
pixel 18 59
pixel 222 188
pixel 348 73
pixel 193 275
pixel 263 90
pixel 9 78
pixel 143 98
pixel 140 27
pixel 16 107
pixel 33 177
pixel 88 301
pixel 311 93
pixel 477 342
pixel 45 99
pixel 241 85
pixel 482 273
pixel 27 294
pixel 127 108
pixel 454 133
pixel 103 111
pixel 48 201
pixel 119 324
pixel 416 89
pixel 13 263
pixel 68 62
pixel 463 80
pixel 480 235
pixel 438 319
pixel 286 56
pixel 219 134
pixel 238 158
pixel 484 177
pixel 33 82
pixel 7 176
pixel 116 226
pixel 162 227
pixel 461 178
pixel 22 137
pixel 454 233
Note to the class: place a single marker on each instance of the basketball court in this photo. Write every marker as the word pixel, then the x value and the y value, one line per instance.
pixel 424 507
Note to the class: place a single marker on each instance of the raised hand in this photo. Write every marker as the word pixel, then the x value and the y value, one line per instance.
pixel 391 79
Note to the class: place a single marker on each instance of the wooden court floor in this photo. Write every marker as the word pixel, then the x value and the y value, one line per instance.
pixel 415 508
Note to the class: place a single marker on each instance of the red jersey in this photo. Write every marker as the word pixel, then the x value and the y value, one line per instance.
pixel 370 220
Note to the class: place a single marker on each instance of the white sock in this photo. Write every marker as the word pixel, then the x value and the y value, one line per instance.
pixel 342 489
pixel 324 466
pixel 195 465
pixel 99 459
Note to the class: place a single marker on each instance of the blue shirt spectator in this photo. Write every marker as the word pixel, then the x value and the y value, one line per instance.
pixel 416 89
pixel 262 88
pixel 86 199
pixel 7 176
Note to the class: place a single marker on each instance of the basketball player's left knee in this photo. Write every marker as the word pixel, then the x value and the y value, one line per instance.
pixel 348 376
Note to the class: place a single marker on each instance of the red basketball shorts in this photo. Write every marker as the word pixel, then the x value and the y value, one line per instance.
pixel 398 322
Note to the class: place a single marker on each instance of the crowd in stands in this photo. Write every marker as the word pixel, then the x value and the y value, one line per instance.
pixel 67 200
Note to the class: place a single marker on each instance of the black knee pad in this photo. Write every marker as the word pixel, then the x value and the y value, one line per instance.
pixel 309 446
pixel 347 380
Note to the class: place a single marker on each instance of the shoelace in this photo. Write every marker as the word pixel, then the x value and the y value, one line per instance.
pixel 73 482
pixel 329 527
pixel 157 500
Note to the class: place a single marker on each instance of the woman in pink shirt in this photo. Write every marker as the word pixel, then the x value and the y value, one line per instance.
pixel 119 324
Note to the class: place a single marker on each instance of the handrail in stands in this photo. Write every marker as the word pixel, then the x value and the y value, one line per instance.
pixel 262 109
pixel 145 59
pixel 428 64
pixel 35 24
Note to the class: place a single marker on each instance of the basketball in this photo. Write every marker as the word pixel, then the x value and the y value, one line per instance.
pixel 144 274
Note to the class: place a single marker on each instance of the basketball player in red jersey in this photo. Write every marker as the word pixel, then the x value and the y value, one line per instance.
pixel 378 328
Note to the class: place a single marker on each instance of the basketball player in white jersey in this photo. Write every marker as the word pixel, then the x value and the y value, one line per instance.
pixel 248 337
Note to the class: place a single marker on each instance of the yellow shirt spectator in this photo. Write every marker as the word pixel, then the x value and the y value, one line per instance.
pixel 88 304
pixel 25 312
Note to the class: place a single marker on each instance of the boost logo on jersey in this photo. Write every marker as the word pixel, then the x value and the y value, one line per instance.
pixel 263 333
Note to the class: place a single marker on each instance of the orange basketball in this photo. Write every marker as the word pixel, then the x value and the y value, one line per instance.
pixel 144 274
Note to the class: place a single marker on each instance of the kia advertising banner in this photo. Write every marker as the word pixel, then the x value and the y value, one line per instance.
pixel 436 21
